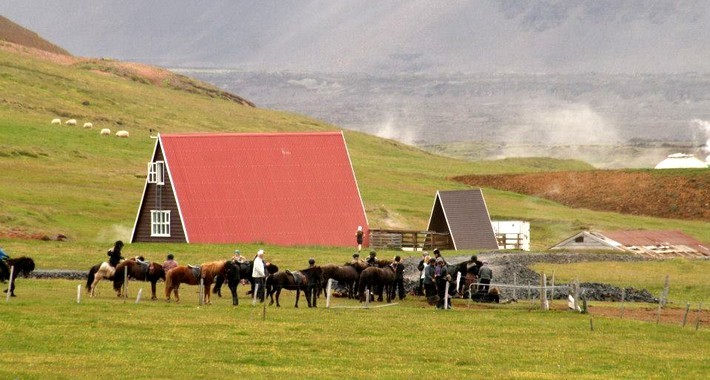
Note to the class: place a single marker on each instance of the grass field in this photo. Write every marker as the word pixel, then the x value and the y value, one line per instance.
pixel 71 181
pixel 46 334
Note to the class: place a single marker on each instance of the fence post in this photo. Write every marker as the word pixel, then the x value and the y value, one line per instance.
pixel 9 285
pixel 78 293
pixel 328 290
pixel 202 290
pixel 543 293
pixel 256 291
pixel 666 289
pixel 697 319
pixel 685 315
pixel 446 296
pixel 138 297
pixel 552 292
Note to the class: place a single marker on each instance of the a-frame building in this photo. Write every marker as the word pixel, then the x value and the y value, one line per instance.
pixel 290 189
pixel 464 215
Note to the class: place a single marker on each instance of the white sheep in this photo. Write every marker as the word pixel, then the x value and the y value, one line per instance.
pixel 56 121
pixel 105 131
pixel 70 122
pixel 122 134
pixel 89 125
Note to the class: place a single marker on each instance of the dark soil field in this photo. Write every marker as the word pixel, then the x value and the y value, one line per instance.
pixel 681 194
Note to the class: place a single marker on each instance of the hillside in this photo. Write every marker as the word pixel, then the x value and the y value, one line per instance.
pixel 74 182
pixel 12 32
pixel 678 194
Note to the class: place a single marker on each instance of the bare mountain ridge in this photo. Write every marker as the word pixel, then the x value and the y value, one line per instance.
pixel 562 36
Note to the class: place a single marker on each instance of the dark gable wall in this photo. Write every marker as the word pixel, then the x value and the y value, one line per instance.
pixel 163 194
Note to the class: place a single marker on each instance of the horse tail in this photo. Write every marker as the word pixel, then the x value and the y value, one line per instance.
pixel 168 283
pixel 90 277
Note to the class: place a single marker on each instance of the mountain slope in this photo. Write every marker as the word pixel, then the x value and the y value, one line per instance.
pixel 551 36
pixel 12 32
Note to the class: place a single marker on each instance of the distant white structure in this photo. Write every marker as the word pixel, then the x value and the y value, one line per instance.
pixel 681 161
pixel 512 234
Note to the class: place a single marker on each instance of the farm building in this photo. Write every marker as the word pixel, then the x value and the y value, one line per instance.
pixel 276 188
pixel 464 215
pixel 646 243
pixel 681 161
pixel 512 234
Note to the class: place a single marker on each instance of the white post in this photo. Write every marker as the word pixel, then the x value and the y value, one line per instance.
pixel 256 291
pixel 202 290
pixel 446 296
pixel 575 299
pixel 666 289
pixel 367 298
pixel 552 290
pixel 543 293
pixel 328 290
pixel 78 293
pixel 9 285
pixel 138 297
pixel 458 281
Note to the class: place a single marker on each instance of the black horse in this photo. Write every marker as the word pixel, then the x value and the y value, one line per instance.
pixel 308 280
pixel 24 265
pixel 379 280
pixel 245 271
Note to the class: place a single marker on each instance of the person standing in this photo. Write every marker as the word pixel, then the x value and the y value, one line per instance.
pixel 423 264
pixel 398 278
pixel 485 275
pixel 359 237
pixel 169 263
pixel 441 277
pixel 429 281
pixel 313 283
pixel 114 254
pixel 259 273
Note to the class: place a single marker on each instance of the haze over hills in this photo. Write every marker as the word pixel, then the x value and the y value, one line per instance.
pixel 554 36
pixel 479 79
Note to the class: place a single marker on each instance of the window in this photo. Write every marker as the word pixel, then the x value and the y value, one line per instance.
pixel 160 223
pixel 155 172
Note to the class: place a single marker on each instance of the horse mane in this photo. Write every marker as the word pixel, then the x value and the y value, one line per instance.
pixel 24 264
pixel 213 268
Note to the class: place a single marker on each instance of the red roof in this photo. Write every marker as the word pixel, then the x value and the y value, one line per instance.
pixel 276 188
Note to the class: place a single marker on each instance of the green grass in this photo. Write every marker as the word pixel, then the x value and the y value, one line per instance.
pixel 689 279
pixel 45 333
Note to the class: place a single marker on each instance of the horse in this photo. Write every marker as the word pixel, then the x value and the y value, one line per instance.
pixel 97 273
pixel 142 271
pixel 379 279
pixel 346 275
pixel 191 276
pixel 23 264
pixel 307 280
pixel 245 271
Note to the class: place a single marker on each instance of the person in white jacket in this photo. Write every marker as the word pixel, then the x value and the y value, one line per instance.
pixel 258 273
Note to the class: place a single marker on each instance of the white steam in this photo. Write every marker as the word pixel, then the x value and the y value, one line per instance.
pixel 391 130
pixel 704 129
pixel 575 124
pixel 113 233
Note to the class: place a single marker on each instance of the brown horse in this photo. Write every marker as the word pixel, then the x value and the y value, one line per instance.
pixel 24 265
pixel 191 276
pixel 346 275
pixel 378 280
pixel 138 270
pixel 307 280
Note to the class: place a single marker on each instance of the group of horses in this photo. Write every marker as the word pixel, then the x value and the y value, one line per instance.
pixel 355 276
pixel 22 265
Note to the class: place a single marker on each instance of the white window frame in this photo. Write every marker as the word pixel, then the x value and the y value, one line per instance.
pixel 156 172
pixel 160 223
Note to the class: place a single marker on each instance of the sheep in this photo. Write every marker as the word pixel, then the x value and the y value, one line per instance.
pixel 105 131
pixel 89 125
pixel 70 122
pixel 122 134
pixel 56 121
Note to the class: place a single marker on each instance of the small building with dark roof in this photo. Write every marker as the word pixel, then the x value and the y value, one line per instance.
pixel 464 215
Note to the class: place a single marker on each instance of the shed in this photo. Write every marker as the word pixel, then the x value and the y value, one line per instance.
pixel 657 244
pixel 289 189
pixel 464 215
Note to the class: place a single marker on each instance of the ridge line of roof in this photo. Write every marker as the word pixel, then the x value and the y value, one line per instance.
pixel 265 134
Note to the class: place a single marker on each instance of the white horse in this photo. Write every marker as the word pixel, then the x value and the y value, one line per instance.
pixel 96 274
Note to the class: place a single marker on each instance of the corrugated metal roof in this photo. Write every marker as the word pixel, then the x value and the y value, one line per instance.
pixel 277 188
pixel 643 238
pixel 467 217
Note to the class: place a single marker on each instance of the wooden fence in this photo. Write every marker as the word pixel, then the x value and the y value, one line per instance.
pixel 409 240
